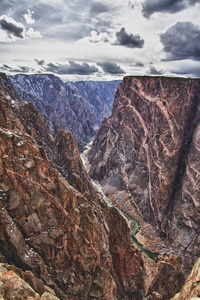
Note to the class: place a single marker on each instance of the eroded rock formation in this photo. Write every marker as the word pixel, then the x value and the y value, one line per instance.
pixel 191 288
pixel 78 107
pixel 16 284
pixel 146 155
pixel 52 221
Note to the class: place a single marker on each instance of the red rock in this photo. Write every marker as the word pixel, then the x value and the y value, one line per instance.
pixel 59 227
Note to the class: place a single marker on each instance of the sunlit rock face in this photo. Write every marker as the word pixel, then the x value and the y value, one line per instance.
pixel 191 288
pixel 52 221
pixel 146 155
pixel 78 107
pixel 16 284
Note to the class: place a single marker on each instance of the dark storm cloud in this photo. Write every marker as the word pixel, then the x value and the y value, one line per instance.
pixel 128 40
pixel 153 71
pixel 111 68
pixel 166 6
pixel 12 27
pixel 182 41
pixel 71 68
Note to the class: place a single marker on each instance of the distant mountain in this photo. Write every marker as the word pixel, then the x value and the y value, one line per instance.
pixel 79 107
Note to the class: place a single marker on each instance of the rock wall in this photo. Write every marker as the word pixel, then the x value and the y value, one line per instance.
pixel 78 107
pixel 191 288
pixel 52 221
pixel 16 284
pixel 146 155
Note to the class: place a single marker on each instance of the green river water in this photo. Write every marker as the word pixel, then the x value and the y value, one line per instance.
pixel 135 228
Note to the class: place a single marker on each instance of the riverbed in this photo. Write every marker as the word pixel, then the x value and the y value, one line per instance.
pixel 133 224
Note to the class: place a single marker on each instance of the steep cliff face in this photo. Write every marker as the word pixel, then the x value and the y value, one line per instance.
pixel 55 225
pixel 99 94
pixel 146 155
pixel 79 107
pixel 191 288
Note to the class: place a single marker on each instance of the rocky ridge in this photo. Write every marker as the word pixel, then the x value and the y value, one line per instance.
pixel 56 225
pixel 16 284
pixel 78 107
pixel 53 222
pixel 146 156
pixel 191 288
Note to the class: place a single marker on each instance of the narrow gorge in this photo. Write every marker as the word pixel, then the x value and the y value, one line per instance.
pixel 61 237
pixel 146 158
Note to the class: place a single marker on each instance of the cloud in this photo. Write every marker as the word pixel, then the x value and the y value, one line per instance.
pixel 71 68
pixel 13 28
pixel 18 69
pixel 100 16
pixel 165 6
pixel 139 64
pixel 186 68
pixel 28 17
pixel 111 68
pixel 10 30
pixel 95 37
pixel 181 41
pixel 63 19
pixel 130 5
pixel 40 62
pixel 98 8
pixel 153 71
pixel 31 33
pixel 128 40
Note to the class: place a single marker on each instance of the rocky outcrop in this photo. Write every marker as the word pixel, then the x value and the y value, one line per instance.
pixel 57 226
pixel 166 280
pixel 62 151
pixel 191 288
pixel 146 155
pixel 16 284
pixel 78 107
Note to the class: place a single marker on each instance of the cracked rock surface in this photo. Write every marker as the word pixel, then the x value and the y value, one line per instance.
pixel 146 156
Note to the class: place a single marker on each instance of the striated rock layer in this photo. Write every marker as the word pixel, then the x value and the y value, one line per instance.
pixel 146 155
pixel 78 107
pixel 52 221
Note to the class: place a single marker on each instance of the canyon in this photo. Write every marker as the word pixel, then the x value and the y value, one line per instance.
pixel 76 106
pixel 146 157
pixel 59 239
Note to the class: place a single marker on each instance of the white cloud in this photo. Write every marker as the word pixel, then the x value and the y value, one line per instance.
pixel 28 17
pixel 33 34
pixel 95 37
pixel 11 31
pixel 85 32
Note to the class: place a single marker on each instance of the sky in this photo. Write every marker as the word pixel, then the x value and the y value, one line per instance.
pixel 100 40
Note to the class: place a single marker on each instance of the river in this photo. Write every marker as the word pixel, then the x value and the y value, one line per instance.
pixel 133 224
